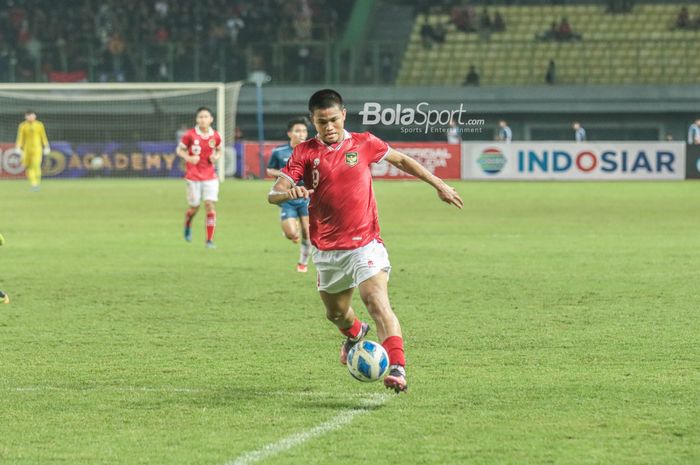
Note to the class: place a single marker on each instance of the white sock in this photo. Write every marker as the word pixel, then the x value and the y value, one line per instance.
pixel 305 249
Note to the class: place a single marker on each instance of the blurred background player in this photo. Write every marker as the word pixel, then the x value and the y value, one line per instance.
pixel 32 143
pixel 348 251
pixel 504 132
pixel 297 132
pixel 200 147
pixel 694 133
pixel 579 132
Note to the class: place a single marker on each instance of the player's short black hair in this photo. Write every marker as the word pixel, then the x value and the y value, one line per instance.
pixel 325 98
pixel 203 109
pixel 294 121
pixel 30 112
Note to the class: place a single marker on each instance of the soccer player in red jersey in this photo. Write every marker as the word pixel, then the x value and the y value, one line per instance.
pixel 347 249
pixel 200 147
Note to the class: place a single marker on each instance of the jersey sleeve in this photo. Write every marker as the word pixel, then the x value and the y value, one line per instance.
pixel 274 162
pixel 44 138
pixel 20 136
pixel 186 141
pixel 377 149
pixel 294 171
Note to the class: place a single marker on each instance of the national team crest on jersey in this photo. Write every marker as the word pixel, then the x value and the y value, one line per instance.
pixel 351 158
pixel 212 143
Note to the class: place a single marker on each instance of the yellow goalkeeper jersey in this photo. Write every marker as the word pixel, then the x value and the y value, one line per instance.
pixel 31 136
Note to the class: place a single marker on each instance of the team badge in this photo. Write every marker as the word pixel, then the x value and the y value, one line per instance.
pixel 212 143
pixel 351 158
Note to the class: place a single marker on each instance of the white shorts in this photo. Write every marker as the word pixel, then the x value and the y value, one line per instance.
pixel 339 270
pixel 202 190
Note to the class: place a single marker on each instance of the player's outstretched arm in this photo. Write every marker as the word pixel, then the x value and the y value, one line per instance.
pixel 408 165
pixel 283 190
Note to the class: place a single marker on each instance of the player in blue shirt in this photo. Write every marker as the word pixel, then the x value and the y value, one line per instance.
pixel 579 132
pixel 694 133
pixel 290 210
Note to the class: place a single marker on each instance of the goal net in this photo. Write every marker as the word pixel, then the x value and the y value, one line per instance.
pixel 115 130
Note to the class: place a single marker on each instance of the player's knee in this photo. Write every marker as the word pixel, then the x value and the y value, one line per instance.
pixel 292 236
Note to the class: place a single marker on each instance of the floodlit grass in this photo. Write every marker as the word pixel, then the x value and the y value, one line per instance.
pixel 545 323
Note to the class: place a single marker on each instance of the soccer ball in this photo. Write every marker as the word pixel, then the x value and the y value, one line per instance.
pixel 367 361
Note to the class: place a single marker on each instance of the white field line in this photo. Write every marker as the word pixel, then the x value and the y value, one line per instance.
pixel 111 389
pixel 266 394
pixel 296 439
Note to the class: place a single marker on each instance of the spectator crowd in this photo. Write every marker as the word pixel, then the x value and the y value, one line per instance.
pixel 127 40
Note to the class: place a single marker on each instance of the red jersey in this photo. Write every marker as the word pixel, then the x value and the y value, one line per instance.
pixel 342 211
pixel 201 144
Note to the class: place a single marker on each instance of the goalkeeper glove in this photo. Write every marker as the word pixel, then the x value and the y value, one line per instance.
pixel 47 150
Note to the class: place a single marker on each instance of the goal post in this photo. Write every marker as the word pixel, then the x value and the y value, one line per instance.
pixel 115 129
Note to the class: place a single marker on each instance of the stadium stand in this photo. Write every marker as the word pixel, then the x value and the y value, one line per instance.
pixel 642 46
pixel 162 40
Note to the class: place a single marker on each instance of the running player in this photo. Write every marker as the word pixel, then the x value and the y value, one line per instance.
pixel 292 210
pixel 348 251
pixel 200 147
pixel 31 144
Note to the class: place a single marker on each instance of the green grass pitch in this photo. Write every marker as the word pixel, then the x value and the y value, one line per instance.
pixel 546 323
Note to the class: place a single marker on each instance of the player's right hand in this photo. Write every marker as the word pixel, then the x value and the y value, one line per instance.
pixel 299 192
pixel 449 195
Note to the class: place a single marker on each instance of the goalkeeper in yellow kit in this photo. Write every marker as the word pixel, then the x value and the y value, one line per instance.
pixel 31 144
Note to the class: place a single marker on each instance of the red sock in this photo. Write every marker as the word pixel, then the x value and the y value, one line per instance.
pixel 188 218
pixel 353 331
pixel 394 347
pixel 211 225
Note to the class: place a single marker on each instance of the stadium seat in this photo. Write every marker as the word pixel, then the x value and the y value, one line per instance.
pixel 615 48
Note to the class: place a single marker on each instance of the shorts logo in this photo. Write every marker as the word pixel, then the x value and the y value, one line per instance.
pixel 316 162
pixel 351 158
pixel 212 143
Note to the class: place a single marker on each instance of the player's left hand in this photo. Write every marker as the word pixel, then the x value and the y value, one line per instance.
pixel 449 195
pixel 47 150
